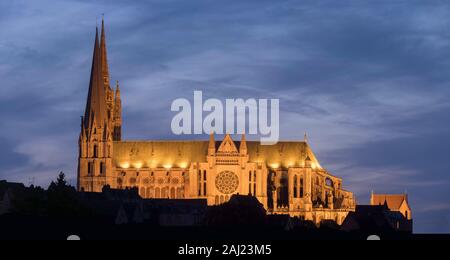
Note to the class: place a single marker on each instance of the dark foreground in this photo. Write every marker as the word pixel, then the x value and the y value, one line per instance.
pixel 35 228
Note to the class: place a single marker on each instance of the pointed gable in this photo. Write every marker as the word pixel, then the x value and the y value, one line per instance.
pixel 227 145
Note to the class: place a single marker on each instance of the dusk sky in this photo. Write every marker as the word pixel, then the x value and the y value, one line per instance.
pixel 368 80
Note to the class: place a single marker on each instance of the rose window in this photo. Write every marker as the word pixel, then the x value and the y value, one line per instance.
pixel 227 182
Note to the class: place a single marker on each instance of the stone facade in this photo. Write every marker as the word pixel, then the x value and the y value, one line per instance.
pixel 286 178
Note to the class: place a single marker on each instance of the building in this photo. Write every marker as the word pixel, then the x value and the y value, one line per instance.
pixel 394 202
pixel 376 219
pixel 127 207
pixel 8 191
pixel 286 178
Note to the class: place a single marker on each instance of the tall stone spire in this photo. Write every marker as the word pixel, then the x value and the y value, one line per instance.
pixel 96 103
pixel 104 56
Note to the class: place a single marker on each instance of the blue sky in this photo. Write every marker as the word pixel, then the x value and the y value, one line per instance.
pixel 368 80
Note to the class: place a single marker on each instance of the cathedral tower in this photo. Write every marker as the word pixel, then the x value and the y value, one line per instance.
pixel 100 125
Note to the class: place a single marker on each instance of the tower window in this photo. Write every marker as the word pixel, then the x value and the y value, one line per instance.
pixel 95 151
pixel 90 168
pixel 199 182
pixel 102 168
pixel 301 188
pixel 252 183
pixel 295 187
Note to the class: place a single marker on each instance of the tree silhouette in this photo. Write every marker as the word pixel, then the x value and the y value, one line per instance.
pixel 63 200
pixel 61 181
pixel 60 184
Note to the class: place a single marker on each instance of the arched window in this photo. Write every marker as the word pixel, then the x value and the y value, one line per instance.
pixel 149 193
pixel 102 168
pixel 301 188
pixel 90 168
pixel 95 151
pixel 217 200
pixel 199 181
pixel 180 194
pixel 252 183
pixel 173 194
pixel 202 183
pixel 158 193
pixel 295 187
pixel 329 182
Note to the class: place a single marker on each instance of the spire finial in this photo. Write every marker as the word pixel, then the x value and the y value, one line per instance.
pixel 117 87
pixel 305 138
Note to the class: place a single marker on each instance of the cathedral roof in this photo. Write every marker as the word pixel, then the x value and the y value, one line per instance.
pixel 152 154
pixel 393 201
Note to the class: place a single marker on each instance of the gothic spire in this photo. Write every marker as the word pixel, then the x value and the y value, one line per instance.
pixel 96 103
pixel 104 55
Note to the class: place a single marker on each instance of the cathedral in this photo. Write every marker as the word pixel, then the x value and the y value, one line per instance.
pixel 286 178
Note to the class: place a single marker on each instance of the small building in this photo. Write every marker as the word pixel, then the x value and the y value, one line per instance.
pixel 376 219
pixel 7 192
pixel 395 203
